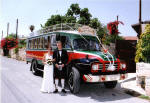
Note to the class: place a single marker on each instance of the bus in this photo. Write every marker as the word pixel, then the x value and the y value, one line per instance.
pixel 87 62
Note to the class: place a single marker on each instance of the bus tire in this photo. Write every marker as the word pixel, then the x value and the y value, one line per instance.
pixel 110 84
pixel 74 80
pixel 34 67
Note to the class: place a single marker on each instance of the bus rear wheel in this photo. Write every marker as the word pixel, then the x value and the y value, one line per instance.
pixel 34 67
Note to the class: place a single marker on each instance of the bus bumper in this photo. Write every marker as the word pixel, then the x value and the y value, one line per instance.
pixel 104 78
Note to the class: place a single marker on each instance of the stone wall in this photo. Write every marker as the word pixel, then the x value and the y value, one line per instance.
pixel 111 48
pixel 21 55
pixel 1 51
pixel 143 76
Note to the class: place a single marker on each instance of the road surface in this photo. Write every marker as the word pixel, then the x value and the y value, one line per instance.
pixel 19 85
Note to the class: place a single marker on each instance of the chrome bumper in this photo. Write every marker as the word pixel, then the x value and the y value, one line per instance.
pixel 104 78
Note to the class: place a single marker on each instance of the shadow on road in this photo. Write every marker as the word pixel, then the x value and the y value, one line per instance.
pixel 99 93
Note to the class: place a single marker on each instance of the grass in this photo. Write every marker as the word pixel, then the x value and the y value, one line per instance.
pixel 9 56
pixel 144 97
pixel 135 94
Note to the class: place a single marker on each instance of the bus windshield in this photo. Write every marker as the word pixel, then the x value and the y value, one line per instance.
pixel 86 44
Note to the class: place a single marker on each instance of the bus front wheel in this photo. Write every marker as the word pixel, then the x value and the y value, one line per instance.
pixel 74 80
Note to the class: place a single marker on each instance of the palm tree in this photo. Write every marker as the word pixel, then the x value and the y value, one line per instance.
pixel 31 28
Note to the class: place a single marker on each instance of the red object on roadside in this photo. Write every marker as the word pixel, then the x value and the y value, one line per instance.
pixel 9 43
pixel 113 27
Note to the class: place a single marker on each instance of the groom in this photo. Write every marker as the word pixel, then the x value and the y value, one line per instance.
pixel 61 57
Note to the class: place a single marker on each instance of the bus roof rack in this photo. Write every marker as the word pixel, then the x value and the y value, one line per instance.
pixel 60 27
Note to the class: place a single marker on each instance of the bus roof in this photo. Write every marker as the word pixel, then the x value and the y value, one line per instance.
pixel 66 32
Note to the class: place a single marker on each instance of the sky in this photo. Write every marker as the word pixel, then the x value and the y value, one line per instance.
pixel 36 12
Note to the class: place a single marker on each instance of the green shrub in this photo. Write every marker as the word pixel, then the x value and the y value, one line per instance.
pixel 16 50
pixel 111 39
pixel 143 46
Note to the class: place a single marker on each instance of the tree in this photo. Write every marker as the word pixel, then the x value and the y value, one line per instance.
pixel 94 23
pixel 113 32
pixel 12 35
pixel 74 10
pixel 143 46
pixel 77 15
pixel 8 43
pixel 55 19
pixel 85 16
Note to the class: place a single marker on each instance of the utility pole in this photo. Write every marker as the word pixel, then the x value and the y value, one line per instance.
pixel 2 35
pixel 7 29
pixel 17 29
pixel 140 11
pixel 117 20
pixel 117 17
pixel 140 18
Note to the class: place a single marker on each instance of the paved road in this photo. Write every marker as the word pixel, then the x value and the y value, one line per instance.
pixel 18 85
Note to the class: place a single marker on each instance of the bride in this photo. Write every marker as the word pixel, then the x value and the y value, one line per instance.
pixel 48 80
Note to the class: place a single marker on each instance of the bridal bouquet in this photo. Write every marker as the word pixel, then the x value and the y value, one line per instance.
pixel 49 61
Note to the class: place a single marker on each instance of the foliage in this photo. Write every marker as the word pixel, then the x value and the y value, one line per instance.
pixel 144 97
pixel 113 31
pixel 113 27
pixel 73 11
pixel 16 50
pixel 9 43
pixel 22 43
pixel 111 39
pixel 143 46
pixel 55 19
pixel 85 16
pixel 12 35
pixel 77 15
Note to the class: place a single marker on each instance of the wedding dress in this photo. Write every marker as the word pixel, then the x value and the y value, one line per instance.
pixel 48 80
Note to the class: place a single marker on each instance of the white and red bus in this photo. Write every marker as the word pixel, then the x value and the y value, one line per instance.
pixel 87 62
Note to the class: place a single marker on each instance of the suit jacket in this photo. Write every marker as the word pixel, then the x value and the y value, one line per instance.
pixel 63 57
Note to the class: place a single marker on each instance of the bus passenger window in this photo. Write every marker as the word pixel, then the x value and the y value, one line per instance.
pixel 38 43
pixel 53 41
pixel 42 42
pixel 29 44
pixel 32 44
pixel 45 42
pixel 35 43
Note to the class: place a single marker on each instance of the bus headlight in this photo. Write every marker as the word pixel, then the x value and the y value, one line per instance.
pixel 95 67
pixel 123 66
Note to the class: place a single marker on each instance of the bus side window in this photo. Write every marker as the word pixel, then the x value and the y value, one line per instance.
pixel 53 41
pixel 35 43
pixel 49 40
pixel 32 44
pixel 45 42
pixel 38 41
pixel 29 44
pixel 42 42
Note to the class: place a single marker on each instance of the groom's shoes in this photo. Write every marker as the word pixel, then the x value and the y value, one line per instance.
pixel 63 91
pixel 56 91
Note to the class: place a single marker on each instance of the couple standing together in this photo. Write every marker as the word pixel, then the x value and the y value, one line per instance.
pixel 54 69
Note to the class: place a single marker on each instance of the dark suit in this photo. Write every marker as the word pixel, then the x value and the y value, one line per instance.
pixel 64 59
